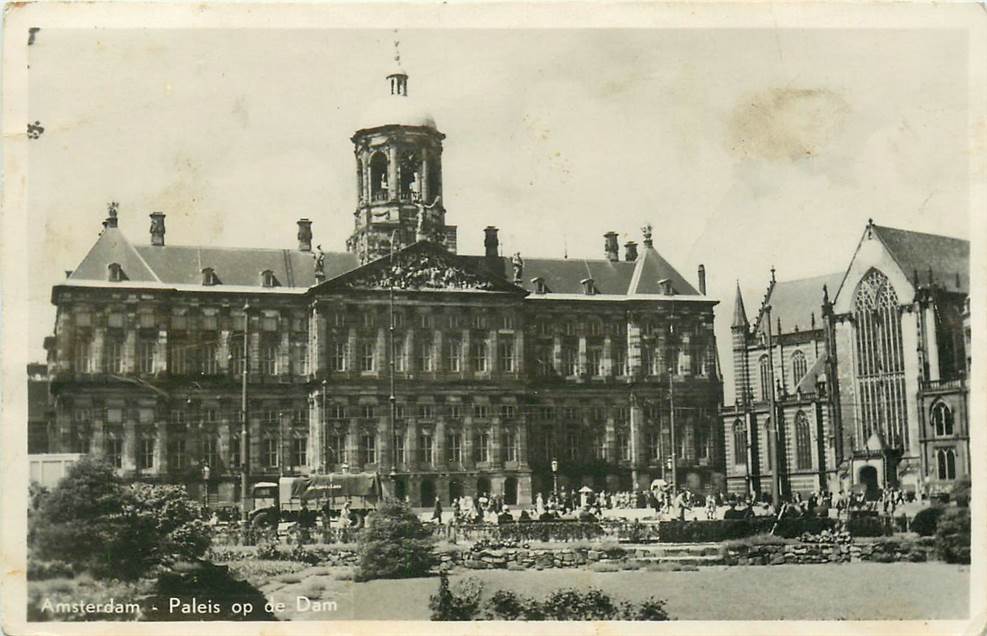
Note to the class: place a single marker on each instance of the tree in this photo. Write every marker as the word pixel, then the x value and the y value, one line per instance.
pixel 95 522
pixel 395 544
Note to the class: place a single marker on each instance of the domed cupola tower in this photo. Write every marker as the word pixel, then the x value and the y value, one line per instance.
pixel 398 152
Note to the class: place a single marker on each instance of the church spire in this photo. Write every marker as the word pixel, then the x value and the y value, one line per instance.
pixel 739 314
pixel 397 78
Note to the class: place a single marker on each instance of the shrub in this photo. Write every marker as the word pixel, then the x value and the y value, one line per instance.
pixel 94 522
pixel 394 545
pixel 461 604
pixel 867 526
pixel 204 582
pixel 716 530
pixel 961 492
pixel 925 520
pixel 953 536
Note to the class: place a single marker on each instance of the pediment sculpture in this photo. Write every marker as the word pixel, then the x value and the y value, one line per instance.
pixel 418 271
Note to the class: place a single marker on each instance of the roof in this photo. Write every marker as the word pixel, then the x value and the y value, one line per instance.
pixel 617 278
pixel 794 302
pixel 948 258
pixel 183 264
pixel 396 110
pixel 739 313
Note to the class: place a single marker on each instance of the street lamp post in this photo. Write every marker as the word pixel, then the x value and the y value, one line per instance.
pixel 555 478
pixel 244 455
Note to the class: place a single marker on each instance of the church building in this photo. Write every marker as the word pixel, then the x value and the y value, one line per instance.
pixel 865 370
pixel 447 374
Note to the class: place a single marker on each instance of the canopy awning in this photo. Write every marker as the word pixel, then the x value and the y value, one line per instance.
pixel 336 485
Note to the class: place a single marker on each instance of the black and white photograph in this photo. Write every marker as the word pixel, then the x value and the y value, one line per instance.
pixel 493 312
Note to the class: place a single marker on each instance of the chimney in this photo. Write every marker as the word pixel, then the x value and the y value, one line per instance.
pixel 157 228
pixel 490 241
pixel 610 247
pixel 304 235
pixel 630 251
pixel 702 279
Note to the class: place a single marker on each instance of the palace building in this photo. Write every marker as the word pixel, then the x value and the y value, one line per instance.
pixel 866 369
pixel 448 374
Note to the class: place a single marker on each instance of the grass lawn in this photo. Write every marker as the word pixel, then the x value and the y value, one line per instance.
pixel 849 591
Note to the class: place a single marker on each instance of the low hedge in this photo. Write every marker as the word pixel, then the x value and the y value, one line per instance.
pixel 925 520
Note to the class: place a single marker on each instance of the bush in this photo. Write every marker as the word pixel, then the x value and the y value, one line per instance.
pixel 203 582
pixel 94 522
pixel 953 536
pixel 925 520
pixel 961 492
pixel 463 604
pixel 867 526
pixel 716 530
pixel 396 544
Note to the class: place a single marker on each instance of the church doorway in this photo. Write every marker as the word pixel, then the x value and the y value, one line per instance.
pixel 868 477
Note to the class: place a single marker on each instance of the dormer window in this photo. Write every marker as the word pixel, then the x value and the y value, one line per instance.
pixel 209 276
pixel 115 273
pixel 268 279
pixel 665 285
pixel 589 288
pixel 540 286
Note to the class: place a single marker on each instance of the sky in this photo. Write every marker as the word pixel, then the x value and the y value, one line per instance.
pixel 745 149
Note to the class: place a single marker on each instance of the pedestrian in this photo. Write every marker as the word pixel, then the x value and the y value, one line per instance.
pixel 437 511
pixel 682 504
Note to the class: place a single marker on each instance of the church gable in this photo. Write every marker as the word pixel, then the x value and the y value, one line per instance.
pixel 421 267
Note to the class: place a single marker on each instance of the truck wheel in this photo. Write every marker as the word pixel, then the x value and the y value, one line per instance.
pixel 263 519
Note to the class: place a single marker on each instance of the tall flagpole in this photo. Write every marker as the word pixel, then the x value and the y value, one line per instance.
pixel 773 421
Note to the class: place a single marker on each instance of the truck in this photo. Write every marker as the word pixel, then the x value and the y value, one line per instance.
pixel 317 497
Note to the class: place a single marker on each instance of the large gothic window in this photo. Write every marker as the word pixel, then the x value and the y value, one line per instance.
pixel 378 177
pixel 946 463
pixel 739 442
pixel 803 442
pixel 879 361
pixel 765 369
pixel 799 366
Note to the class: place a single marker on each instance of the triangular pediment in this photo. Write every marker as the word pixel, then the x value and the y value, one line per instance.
pixel 423 266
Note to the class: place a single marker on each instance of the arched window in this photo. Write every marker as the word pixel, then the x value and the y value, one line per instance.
pixel 378 177
pixel 765 369
pixel 409 179
pixel 942 420
pixel 946 463
pixel 879 361
pixel 799 366
pixel 803 442
pixel 114 273
pixel 739 442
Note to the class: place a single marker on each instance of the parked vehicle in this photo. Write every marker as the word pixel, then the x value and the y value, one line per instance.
pixel 306 500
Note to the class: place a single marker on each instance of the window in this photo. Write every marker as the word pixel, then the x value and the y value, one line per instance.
pixel 423 355
pixel 648 360
pixel 507 321
pixel 946 463
pixel 236 356
pixel 269 418
pixel 399 449
pixel 622 414
pixel 271 452
pixel 269 323
pixel 454 354
pixel 426 448
pixel 299 451
pixel 765 369
pixel 210 454
pixel 570 361
pixel 543 360
pixel 594 361
pixel 113 354
pixel 481 410
pixel 548 445
pixel 803 442
pixel 399 413
pixel 369 320
pixel 454 447
pixel 235 451
pixel 338 320
pixel 510 446
pixel 179 455
pixel 209 323
pixel 337 448
pixel 179 322
pixel 879 361
pixel 337 357
pixel 145 460
pixel 368 411
pixel 505 356
pixel 479 321
pixel 568 328
pixel 400 357
pixel 623 446
pixel 455 411
pixel 367 351
pixel 208 362
pixel 799 366
pixel 178 419
pixel 600 446
pixel 483 447
pixel 544 327
pixel 572 444
pixel 508 411
pixel 299 358
pixel 652 444
pixel 425 321
pixel 478 352
pixel 268 279
pixel 942 420
pixel 83 356
pixel 703 442
pixel 397 319
pixel 146 320
pixel 178 358
pixel 269 359
pixel 739 443
pixel 336 411
pixel 114 451
pixel 619 360
pixel 426 411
